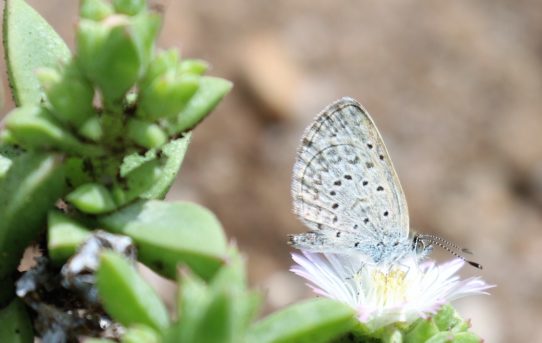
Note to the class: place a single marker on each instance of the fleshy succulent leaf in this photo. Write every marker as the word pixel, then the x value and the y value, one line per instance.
pixel 126 296
pixel 29 190
pixel 317 320
pixel 30 43
pixel 169 234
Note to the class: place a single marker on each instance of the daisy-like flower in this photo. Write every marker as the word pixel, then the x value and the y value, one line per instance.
pixel 401 292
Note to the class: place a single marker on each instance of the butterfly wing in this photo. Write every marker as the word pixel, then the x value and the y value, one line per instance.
pixel 343 178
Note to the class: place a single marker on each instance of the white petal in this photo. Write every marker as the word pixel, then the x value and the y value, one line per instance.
pixel 401 292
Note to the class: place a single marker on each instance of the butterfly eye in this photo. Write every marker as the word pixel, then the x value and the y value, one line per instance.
pixel 418 245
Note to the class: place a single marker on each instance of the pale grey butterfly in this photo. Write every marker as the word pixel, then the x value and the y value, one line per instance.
pixel 346 191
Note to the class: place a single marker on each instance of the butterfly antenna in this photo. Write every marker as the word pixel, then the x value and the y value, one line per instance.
pixel 434 238
pixel 454 253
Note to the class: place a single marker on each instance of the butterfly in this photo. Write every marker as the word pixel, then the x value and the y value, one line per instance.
pixel 346 191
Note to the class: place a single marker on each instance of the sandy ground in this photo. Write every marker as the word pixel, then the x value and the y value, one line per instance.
pixel 454 86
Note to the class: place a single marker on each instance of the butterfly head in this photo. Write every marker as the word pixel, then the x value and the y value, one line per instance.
pixel 422 245
pixel 422 248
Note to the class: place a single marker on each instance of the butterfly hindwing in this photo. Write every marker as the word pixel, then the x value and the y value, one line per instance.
pixel 343 178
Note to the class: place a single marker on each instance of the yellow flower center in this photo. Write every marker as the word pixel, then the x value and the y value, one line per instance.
pixel 390 287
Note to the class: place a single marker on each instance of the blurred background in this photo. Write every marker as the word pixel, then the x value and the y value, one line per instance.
pixel 455 88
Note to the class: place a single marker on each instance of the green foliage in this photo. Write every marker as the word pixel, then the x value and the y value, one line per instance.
pixel 35 128
pixel 95 9
pixel 141 334
pixel 7 154
pixel 70 95
pixel 220 311
pixel 317 320
pixel 167 234
pixel 92 198
pixel 29 190
pixel 445 326
pixel 16 325
pixel 130 7
pixel 126 296
pixel 210 92
pixel 172 155
pixel 146 134
pixel 64 236
pixel 30 43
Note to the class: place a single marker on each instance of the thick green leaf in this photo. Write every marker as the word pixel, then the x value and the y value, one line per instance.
pixel 421 330
pixel 92 198
pixel 64 236
pixel 232 277
pixel 35 128
pixel 447 337
pixel 193 66
pixel 137 181
pixel 140 334
pixel 126 296
pixel 146 134
pixel 216 325
pixel 218 312
pixel 69 93
pixel 95 9
pixel 231 307
pixel 192 301
pixel 109 57
pixel 211 90
pixel 393 336
pixel 172 158
pixel 7 153
pixel 448 319
pixel 316 320
pixel 167 95
pixel 77 171
pixel 29 190
pixel 163 61
pixel 16 326
pixel 129 7
pixel 30 43
pixel 169 234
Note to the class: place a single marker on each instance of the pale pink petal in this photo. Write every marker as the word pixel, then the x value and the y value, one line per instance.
pixel 424 289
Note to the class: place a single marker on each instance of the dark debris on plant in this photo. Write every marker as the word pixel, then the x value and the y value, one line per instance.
pixel 64 301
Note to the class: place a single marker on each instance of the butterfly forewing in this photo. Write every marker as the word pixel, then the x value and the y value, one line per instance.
pixel 343 178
